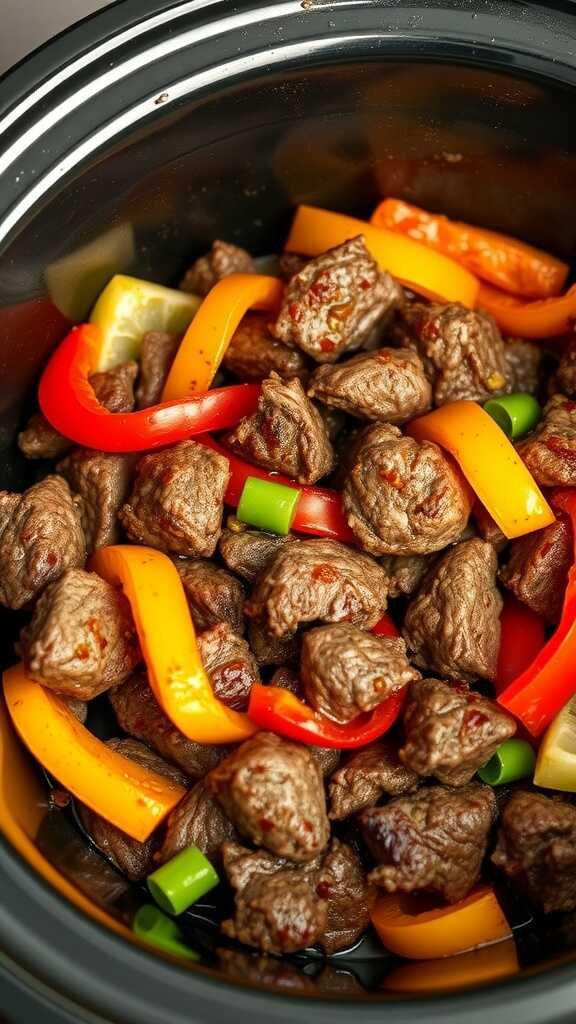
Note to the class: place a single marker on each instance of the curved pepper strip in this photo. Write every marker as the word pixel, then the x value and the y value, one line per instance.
pixel 490 464
pixel 70 405
pixel 502 261
pixel 522 636
pixel 319 511
pixel 132 797
pixel 282 712
pixel 421 269
pixel 540 692
pixel 410 930
pixel 177 677
pixel 210 332
pixel 547 318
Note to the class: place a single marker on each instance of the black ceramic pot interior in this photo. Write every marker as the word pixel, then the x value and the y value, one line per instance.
pixel 480 132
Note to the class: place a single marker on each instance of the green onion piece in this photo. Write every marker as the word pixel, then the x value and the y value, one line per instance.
pixel 514 414
pixel 182 881
pixel 152 926
pixel 514 760
pixel 268 505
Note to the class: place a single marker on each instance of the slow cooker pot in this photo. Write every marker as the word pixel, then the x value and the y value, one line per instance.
pixel 129 143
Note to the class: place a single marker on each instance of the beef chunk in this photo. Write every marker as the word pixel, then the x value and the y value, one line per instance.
pixel 272 650
pixel 39 439
pixel 197 821
pixel 138 713
pixel 222 259
pixel 550 452
pixel 286 434
pixel 253 354
pixel 178 499
pixel 81 640
pixel 388 385
pixel 537 849
pixel 346 671
pixel 342 882
pixel 405 572
pixel 248 552
pixel 432 840
pixel 451 731
pixel 537 570
pixel 566 374
pixel 102 479
pixel 272 791
pixel 114 389
pixel 40 537
pixel 276 907
pixel 214 595
pixel 156 357
pixel 332 305
pixel 402 497
pixel 453 623
pixel 367 775
pixel 523 363
pixel 321 580
pixel 230 664
pixel 134 859
pixel 462 349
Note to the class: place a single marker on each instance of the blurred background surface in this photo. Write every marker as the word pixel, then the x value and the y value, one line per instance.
pixel 27 23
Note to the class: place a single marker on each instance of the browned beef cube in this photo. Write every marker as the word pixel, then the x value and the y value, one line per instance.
pixel 450 731
pixel 157 353
pixel 341 881
pixel 537 849
pixel 102 479
pixel 39 440
pixel 367 775
pixel 318 580
pixel 230 664
pixel 248 552
pixel 272 791
pixel 453 623
pixel 387 385
pixel 82 639
pixel 332 305
pixel 177 500
pixel 346 671
pixel 41 537
pixel 523 365
pixel 433 840
pixel 286 434
pixel 222 259
pixel 253 353
pixel 550 452
pixel 198 820
pixel 406 572
pixel 402 497
pixel 214 595
pixel 537 570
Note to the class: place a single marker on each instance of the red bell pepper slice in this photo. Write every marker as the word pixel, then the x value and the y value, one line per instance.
pixel 522 637
pixel 541 690
pixel 70 405
pixel 282 712
pixel 319 511
pixel 385 627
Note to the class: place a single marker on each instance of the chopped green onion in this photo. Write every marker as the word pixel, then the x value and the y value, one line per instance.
pixel 514 760
pixel 514 414
pixel 182 881
pixel 268 505
pixel 152 926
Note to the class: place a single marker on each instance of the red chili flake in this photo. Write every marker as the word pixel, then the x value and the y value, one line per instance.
pixel 559 447
pixel 323 890
pixel 327 345
pixel 569 406
pixel 392 477
pixel 295 312
pixel 166 478
pixel 320 289
pixel 365 285
pixel 325 574
pixel 474 719
pixel 82 652
pixel 266 825
pixel 51 558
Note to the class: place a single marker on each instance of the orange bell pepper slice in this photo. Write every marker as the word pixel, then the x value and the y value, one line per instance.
pixel 406 927
pixel 548 318
pixel 490 464
pixel 502 261
pixel 422 270
pixel 211 330
pixel 179 682
pixel 133 798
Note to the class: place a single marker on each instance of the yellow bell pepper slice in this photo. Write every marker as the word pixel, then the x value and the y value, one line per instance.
pixel 424 271
pixel 211 330
pixel 556 761
pixel 406 928
pixel 179 682
pixel 133 798
pixel 490 464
